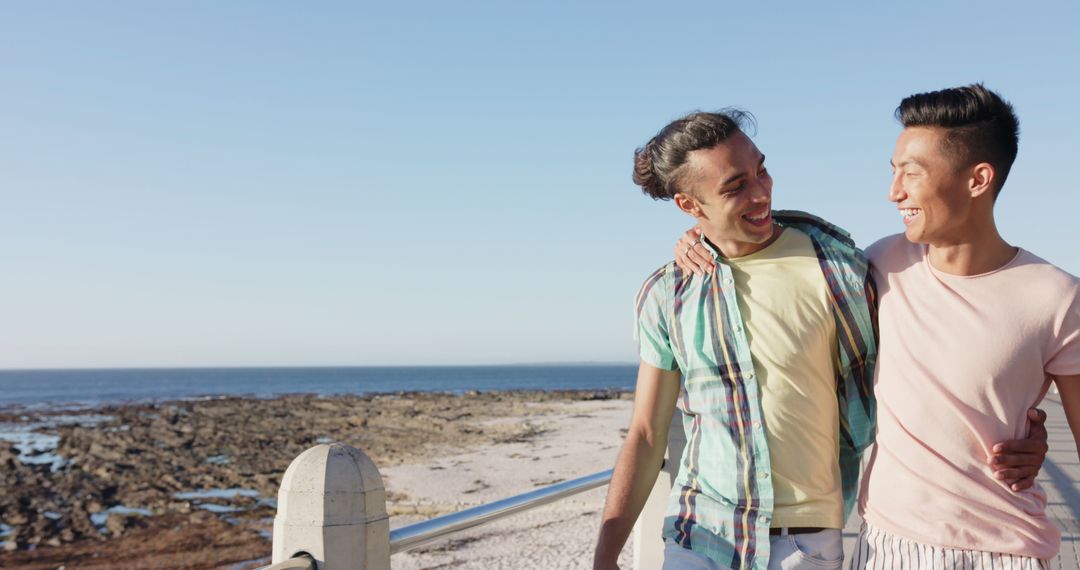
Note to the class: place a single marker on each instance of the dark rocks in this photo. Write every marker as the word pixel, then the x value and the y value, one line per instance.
pixel 142 455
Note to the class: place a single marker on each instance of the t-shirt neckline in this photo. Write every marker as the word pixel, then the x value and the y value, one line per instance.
pixel 939 273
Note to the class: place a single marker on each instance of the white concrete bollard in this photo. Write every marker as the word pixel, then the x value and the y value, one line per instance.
pixel 332 506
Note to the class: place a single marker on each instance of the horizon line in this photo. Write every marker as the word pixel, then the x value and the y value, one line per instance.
pixel 314 366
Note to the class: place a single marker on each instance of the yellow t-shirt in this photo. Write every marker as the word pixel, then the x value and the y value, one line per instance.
pixel 783 298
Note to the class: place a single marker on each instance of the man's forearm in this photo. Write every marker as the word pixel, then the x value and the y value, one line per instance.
pixel 633 479
pixel 1069 390
pixel 639 460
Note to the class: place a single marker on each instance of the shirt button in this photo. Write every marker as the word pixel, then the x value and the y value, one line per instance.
pixel 738 328
pixel 763 474
pixel 728 281
pixel 750 375
pixel 757 425
pixel 763 519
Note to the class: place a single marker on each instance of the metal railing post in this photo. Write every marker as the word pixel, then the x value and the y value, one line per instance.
pixel 332 507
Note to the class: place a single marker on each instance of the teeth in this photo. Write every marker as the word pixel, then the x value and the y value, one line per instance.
pixel 909 212
pixel 759 217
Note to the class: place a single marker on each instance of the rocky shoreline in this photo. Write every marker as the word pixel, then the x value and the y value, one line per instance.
pixel 193 483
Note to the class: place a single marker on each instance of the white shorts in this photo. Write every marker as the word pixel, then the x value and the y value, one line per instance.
pixel 876 548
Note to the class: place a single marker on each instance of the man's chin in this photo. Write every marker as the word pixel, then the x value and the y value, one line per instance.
pixel 760 235
pixel 914 236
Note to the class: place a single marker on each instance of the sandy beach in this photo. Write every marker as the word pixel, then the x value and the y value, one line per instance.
pixel 575 439
pixel 192 484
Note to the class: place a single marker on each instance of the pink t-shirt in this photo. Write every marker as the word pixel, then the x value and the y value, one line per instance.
pixel 960 361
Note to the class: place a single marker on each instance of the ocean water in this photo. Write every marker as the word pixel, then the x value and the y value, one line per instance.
pixel 50 388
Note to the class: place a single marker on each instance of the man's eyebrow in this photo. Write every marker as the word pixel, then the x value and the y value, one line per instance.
pixel 735 177
pixel 906 162
pixel 732 179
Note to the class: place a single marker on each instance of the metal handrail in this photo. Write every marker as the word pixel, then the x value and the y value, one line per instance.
pixel 418 534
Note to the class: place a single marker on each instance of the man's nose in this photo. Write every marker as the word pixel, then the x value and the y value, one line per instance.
pixel 761 191
pixel 896 189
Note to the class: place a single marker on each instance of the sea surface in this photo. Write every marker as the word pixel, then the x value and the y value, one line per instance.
pixel 51 388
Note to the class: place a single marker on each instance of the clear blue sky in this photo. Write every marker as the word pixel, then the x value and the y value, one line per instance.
pixel 331 183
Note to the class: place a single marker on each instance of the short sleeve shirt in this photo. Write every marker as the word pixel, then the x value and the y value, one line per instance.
pixel 722 500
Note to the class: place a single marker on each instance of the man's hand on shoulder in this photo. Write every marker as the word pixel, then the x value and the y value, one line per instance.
pixel 691 255
pixel 1017 462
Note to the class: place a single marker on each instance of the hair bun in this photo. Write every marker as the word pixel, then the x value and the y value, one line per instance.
pixel 645 174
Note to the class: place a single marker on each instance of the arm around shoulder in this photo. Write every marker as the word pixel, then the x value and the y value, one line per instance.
pixel 1069 388
pixel 639 460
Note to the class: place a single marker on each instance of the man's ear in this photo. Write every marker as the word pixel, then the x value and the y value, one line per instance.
pixel 688 204
pixel 982 180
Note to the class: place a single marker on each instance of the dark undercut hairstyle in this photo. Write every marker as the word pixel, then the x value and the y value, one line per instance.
pixel 660 167
pixel 980 126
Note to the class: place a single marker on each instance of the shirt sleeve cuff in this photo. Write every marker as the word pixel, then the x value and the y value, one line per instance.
pixel 654 358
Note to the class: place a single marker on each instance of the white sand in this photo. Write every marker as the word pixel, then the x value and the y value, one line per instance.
pixel 580 439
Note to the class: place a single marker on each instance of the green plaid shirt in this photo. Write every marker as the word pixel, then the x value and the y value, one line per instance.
pixel 722 499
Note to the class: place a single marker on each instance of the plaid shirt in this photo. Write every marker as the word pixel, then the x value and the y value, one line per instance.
pixel 722 498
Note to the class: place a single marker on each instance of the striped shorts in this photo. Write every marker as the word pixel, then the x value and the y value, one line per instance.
pixel 877 549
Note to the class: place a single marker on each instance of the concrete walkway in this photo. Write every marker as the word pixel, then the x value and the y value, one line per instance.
pixel 1060 477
